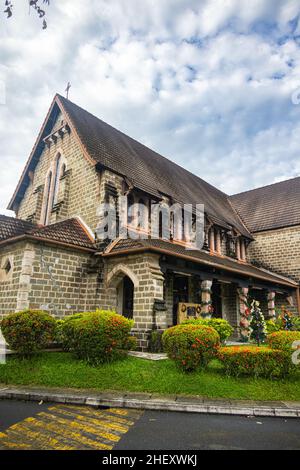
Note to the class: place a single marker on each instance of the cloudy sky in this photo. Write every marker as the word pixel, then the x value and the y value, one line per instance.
pixel 206 83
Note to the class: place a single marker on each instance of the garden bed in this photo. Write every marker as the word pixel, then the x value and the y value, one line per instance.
pixel 139 375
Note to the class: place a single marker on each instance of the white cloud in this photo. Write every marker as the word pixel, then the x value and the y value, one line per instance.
pixel 207 83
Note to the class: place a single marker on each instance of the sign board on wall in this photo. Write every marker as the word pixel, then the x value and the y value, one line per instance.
pixel 188 311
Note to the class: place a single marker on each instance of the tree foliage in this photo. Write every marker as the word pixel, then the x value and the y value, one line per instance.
pixel 33 4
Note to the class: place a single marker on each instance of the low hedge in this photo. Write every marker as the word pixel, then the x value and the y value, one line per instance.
pixel 223 328
pixel 283 340
pixel 97 337
pixel 255 361
pixel 277 324
pixel 29 331
pixel 191 346
pixel 273 326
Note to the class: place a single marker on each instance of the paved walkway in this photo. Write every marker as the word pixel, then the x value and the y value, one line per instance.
pixel 145 401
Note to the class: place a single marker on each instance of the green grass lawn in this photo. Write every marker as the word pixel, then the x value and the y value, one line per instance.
pixel 139 375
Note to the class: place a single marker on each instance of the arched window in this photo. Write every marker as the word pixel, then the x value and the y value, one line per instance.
pixel 47 198
pixel 57 169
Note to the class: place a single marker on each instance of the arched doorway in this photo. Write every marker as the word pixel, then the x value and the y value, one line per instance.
pixel 127 297
pixel 124 281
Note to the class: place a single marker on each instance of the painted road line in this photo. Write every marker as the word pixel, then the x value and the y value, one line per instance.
pixel 104 414
pixel 80 428
pixel 66 434
pixel 99 418
pixel 65 427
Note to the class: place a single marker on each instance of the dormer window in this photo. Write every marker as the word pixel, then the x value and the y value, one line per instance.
pixel 142 215
pixel 231 245
pixel 130 209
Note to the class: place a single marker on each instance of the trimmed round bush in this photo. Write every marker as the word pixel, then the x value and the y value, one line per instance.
pixel 191 346
pixel 97 337
pixel 255 361
pixel 29 331
pixel 283 340
pixel 222 327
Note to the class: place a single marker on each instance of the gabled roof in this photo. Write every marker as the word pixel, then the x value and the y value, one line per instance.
pixel 69 232
pixel 145 168
pixel 127 246
pixel 270 207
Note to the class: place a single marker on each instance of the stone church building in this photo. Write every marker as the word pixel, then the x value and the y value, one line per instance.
pixel 51 258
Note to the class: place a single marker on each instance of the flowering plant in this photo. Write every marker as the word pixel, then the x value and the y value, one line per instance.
pixel 191 346
pixel 255 361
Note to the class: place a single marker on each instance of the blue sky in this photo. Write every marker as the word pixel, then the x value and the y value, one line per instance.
pixel 208 84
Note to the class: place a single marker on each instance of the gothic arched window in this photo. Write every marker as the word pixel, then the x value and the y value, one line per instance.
pixel 57 168
pixel 47 198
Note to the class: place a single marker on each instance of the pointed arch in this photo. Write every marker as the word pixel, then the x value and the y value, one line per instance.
pixel 47 195
pixel 117 274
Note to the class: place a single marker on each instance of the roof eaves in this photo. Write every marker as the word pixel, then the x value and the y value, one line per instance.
pixel 28 236
pixel 279 279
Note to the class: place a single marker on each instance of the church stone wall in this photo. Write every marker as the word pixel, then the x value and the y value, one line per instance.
pixel 59 280
pixel 82 194
pixel 9 285
pixel 149 285
pixel 278 250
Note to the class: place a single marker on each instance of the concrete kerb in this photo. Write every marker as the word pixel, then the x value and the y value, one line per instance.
pixel 154 402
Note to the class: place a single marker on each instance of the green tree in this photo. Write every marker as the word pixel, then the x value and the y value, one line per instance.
pixel 257 324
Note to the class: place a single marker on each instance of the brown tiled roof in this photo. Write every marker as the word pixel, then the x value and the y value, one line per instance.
pixel 270 207
pixel 11 227
pixel 68 232
pixel 199 256
pixel 146 169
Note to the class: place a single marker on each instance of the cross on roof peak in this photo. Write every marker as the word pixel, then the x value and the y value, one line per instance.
pixel 68 89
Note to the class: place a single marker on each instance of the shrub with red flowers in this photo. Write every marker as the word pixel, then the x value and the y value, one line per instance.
pixel 97 337
pixel 29 331
pixel 283 340
pixel 191 346
pixel 255 361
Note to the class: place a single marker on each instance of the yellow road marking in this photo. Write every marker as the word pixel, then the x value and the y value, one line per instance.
pixel 20 432
pixel 67 427
pixel 94 413
pixel 82 426
pixel 69 436
pixel 93 417
pixel 108 424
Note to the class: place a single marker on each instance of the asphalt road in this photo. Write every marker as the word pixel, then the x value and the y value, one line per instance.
pixel 25 425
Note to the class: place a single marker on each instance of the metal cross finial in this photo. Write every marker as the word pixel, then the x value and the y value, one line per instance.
pixel 68 89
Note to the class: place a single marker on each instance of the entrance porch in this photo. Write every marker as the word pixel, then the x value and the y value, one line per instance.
pixel 151 280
